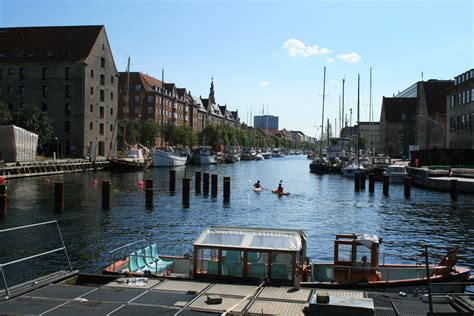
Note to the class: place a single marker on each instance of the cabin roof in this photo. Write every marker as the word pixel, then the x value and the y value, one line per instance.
pixel 252 238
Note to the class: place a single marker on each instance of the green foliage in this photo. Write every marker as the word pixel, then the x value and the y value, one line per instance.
pixel 149 131
pixel 31 118
pixel 5 115
pixel 128 133
pixel 362 142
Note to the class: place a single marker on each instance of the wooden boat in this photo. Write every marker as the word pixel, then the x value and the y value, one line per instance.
pixel 251 254
pixel 133 160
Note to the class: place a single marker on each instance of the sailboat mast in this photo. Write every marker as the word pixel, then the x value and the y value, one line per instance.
pixel 371 107
pixel 358 118
pixel 343 82
pixel 322 119
pixel 162 110
pixel 127 101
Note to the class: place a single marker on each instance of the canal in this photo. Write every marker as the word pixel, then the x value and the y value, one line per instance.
pixel 320 205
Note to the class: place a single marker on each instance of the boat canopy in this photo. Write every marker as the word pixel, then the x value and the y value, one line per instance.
pixel 368 240
pixel 252 238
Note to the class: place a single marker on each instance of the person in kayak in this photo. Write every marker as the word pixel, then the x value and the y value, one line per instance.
pixel 280 188
pixel 257 185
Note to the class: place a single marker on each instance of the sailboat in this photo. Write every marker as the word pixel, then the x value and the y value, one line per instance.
pixel 321 164
pixel 133 157
pixel 353 168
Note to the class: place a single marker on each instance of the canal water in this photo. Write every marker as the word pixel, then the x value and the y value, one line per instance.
pixel 321 205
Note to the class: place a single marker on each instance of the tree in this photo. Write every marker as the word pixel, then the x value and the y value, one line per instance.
pixel 5 115
pixel 149 131
pixel 31 118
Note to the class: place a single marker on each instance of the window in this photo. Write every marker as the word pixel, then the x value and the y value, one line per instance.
pixel 137 99
pixel 44 107
pixel 111 95
pixel 91 126
pixel 10 71
pixel 92 73
pixel 138 87
pixel 21 72
pixel 22 91
pixel 102 96
pixel 45 91
pixel 111 79
pixel 1 74
pixel 151 109
pixel 45 73
pixel 67 109
pixel 92 90
pixel 67 91
pixel 137 110
pixel 91 108
pixel 151 99
pixel 101 129
pixel 111 111
pixel 67 73
pixel 472 95
pixel 111 127
pixel 102 62
pixel 102 80
pixel 101 112
pixel 67 127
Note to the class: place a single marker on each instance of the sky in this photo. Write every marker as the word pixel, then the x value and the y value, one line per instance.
pixel 271 54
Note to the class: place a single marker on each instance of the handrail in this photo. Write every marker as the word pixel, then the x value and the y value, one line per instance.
pixel 2 265
pixel 124 246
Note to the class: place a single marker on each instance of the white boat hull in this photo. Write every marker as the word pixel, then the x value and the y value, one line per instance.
pixel 167 159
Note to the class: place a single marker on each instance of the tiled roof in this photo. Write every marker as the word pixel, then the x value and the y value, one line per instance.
pixel 393 108
pixel 47 44
pixel 150 82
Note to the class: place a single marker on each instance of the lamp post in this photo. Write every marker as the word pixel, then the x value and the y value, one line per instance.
pixel 57 147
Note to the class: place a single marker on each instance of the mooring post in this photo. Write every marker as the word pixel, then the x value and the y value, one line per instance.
pixel 3 197
pixel 205 183
pixel 454 189
pixel 407 188
pixel 59 195
pixel 186 191
pixel 172 180
pixel 105 194
pixel 386 184
pixel 214 185
pixel 363 176
pixel 149 192
pixel 226 189
pixel 357 181
pixel 197 182
pixel 371 182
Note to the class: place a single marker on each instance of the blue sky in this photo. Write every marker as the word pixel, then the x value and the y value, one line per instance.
pixel 273 52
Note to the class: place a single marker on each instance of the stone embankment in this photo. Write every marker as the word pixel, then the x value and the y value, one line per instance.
pixel 440 180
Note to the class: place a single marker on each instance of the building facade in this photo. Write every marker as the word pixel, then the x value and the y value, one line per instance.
pixel 68 72
pixel 460 111
pixel 370 132
pixel 265 121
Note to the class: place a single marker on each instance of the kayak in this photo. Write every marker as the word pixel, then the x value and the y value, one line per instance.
pixel 282 193
pixel 258 190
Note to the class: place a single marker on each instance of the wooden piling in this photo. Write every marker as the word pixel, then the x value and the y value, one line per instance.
pixel 357 181
pixel 226 189
pixel 363 176
pixel 59 195
pixel 407 188
pixel 214 181
pixel 172 180
pixel 205 183
pixel 186 191
pixel 386 184
pixel 149 193
pixel 371 182
pixel 105 194
pixel 454 189
pixel 197 182
pixel 3 197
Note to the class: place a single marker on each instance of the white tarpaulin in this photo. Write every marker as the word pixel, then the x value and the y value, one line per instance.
pixel 17 144
pixel 252 238
pixel 367 240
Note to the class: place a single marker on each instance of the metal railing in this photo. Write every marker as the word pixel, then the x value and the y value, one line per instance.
pixel 2 265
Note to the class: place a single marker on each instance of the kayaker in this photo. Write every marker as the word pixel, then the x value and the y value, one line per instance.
pixel 257 185
pixel 280 188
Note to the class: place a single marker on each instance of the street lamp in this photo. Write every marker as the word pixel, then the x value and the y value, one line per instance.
pixel 57 147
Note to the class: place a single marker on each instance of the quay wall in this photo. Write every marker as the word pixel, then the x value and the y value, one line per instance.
pixel 439 180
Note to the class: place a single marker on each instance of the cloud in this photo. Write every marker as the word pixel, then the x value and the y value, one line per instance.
pixel 349 58
pixel 296 47
pixel 330 60
pixel 263 83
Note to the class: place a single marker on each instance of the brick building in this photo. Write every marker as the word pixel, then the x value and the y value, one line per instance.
pixel 68 72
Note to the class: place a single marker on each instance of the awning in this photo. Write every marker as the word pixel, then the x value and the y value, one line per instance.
pixel 252 238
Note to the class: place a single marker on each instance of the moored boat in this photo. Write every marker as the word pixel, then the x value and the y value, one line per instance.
pixel 320 165
pixel 396 173
pixel 203 156
pixel 351 169
pixel 132 160
pixel 246 254
pixel 167 157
